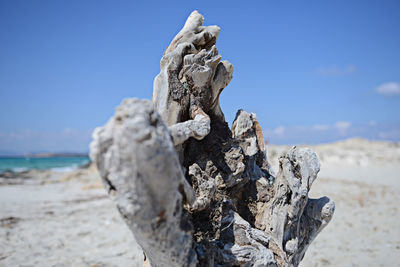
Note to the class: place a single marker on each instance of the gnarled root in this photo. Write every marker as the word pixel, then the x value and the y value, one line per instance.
pixel 193 191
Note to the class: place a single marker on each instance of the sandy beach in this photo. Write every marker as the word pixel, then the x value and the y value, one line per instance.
pixel 363 178
pixel 66 219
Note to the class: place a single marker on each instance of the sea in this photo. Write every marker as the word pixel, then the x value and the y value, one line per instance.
pixel 60 164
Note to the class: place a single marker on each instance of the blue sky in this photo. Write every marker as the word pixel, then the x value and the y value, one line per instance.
pixel 312 71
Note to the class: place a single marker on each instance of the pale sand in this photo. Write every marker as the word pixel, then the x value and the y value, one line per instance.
pixel 66 219
pixel 363 178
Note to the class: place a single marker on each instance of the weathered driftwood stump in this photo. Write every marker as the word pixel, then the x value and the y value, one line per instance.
pixel 193 191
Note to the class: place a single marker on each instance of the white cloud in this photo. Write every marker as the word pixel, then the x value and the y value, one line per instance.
pixel 28 140
pixel 334 70
pixel 342 126
pixel 71 132
pixel 324 132
pixel 388 89
pixel 279 131
pixel 392 134
pixel 321 127
pixel 23 134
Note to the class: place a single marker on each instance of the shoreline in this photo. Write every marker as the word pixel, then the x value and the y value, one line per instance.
pixel 67 219
pixel 10 167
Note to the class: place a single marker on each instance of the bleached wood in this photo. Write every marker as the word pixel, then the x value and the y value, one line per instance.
pixel 193 191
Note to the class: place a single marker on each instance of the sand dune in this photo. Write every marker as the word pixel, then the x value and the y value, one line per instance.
pixel 66 219
pixel 363 177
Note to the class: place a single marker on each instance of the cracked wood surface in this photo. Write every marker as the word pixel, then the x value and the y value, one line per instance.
pixel 193 191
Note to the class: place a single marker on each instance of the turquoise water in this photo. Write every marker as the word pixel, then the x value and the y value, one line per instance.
pixel 19 164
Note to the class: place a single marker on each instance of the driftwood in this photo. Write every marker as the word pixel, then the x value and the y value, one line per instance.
pixel 193 191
